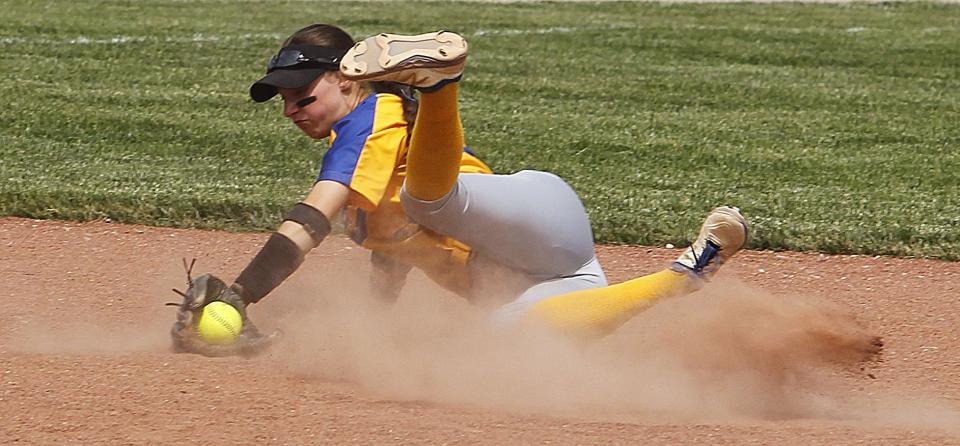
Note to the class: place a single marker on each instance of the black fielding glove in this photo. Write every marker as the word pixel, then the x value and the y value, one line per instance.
pixel 202 291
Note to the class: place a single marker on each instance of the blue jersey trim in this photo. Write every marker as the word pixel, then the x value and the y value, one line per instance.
pixel 351 132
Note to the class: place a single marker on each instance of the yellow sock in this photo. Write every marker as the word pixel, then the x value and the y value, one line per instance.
pixel 436 145
pixel 599 311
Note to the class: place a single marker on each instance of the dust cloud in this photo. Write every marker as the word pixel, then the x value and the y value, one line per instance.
pixel 117 323
pixel 726 352
pixel 91 339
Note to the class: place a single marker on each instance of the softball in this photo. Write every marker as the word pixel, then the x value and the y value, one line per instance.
pixel 219 323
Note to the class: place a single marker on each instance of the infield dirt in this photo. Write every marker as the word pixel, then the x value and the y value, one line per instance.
pixel 769 353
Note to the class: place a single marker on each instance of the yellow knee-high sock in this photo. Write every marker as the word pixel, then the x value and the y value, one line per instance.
pixel 599 311
pixel 436 145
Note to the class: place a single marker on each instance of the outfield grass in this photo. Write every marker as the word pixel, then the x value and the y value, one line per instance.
pixel 835 128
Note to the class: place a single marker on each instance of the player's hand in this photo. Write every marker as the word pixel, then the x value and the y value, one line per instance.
pixel 200 292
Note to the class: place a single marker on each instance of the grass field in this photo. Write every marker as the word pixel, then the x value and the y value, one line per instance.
pixel 834 127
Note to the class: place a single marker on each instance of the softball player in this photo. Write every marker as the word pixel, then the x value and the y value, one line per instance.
pixel 413 194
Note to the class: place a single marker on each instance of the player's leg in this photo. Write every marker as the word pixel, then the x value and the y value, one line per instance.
pixel 599 311
pixel 432 63
pixel 493 213
pixel 531 221
pixel 587 277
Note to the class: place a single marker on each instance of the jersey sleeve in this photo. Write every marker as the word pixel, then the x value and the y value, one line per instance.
pixel 365 147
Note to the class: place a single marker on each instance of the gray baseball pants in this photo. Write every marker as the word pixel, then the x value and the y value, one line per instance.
pixel 531 223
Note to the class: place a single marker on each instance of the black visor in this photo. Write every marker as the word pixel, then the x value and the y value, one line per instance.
pixel 294 67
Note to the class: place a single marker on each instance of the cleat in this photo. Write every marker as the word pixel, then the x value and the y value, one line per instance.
pixel 723 234
pixel 425 61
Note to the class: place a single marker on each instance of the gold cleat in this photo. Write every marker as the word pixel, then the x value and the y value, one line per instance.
pixel 425 61
pixel 722 235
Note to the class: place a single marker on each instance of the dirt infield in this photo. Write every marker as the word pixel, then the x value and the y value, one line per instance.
pixel 764 355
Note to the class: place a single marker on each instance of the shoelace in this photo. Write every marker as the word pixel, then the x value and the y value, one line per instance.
pixel 708 254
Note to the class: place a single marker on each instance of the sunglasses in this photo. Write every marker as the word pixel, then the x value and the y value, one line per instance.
pixel 291 57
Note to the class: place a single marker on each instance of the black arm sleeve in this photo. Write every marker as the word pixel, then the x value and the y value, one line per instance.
pixel 312 220
pixel 278 258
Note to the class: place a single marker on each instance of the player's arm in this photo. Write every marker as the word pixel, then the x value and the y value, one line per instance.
pixel 328 198
pixel 303 228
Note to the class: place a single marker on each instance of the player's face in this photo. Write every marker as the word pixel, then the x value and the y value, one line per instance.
pixel 316 118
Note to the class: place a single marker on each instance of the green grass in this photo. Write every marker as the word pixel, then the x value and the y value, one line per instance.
pixel 835 128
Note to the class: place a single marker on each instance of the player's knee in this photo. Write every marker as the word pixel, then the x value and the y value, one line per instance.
pixel 426 213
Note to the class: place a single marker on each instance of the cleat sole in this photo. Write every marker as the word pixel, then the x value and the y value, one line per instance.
pixel 388 53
